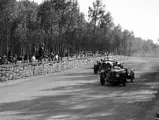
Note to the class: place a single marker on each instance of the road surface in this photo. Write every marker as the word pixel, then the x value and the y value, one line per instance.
pixel 77 95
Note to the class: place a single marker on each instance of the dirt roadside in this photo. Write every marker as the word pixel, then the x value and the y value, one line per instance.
pixel 147 78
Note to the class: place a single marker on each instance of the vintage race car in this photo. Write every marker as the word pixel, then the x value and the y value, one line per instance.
pixel 114 62
pixel 117 75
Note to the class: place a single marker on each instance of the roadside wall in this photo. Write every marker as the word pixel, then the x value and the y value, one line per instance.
pixel 18 71
pixel 13 72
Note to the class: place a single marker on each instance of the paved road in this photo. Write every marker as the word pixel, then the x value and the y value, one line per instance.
pixel 78 95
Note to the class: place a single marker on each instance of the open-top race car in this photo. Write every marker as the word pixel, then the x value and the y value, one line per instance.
pixel 116 74
pixel 99 64
pixel 114 62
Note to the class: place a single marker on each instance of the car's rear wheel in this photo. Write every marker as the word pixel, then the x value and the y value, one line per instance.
pixel 132 80
pixel 102 79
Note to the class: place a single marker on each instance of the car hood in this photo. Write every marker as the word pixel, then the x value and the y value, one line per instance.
pixel 110 62
pixel 118 70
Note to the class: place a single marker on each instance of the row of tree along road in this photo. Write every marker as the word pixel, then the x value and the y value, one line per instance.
pixel 62 28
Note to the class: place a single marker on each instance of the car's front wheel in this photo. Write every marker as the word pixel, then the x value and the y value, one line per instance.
pixel 95 69
pixel 102 79
pixel 124 82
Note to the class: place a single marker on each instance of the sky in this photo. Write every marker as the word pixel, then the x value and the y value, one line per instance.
pixel 139 16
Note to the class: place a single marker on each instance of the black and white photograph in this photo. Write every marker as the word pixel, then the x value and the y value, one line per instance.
pixel 79 59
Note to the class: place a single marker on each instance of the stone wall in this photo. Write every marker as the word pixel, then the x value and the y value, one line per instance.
pixel 13 72
pixel 18 71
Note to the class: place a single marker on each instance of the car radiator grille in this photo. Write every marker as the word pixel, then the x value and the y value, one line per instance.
pixel 113 74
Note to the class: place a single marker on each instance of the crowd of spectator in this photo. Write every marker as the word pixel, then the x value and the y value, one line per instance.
pixel 12 58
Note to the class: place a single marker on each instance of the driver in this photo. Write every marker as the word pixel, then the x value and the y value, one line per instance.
pixel 105 66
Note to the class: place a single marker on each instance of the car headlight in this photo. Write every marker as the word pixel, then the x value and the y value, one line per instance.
pixel 117 75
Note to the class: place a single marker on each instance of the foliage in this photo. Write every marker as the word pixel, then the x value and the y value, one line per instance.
pixel 61 26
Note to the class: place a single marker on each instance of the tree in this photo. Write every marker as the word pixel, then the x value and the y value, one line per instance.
pixel 106 25
pixel 7 8
pixel 117 35
pixel 95 15
pixel 62 28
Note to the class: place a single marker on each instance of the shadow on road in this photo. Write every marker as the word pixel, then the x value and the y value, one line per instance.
pixel 87 97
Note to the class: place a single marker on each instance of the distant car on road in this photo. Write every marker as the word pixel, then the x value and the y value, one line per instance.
pixel 97 67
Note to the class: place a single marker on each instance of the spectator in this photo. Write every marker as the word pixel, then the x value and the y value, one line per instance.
pixel 41 53
pixel 56 57
pixel 33 59
pixel 4 59
pixel 10 54
pixel 51 56
pixel 66 55
pixel 20 58
pixel 14 58
pixel 78 57
pixel 26 58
